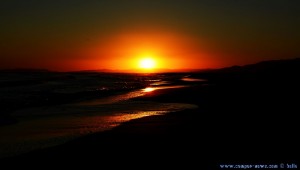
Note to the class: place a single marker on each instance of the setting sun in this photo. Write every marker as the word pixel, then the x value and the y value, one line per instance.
pixel 147 63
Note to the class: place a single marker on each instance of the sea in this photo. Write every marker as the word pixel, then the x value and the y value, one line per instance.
pixel 41 109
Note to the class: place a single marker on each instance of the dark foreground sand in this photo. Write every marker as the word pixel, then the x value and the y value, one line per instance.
pixel 233 124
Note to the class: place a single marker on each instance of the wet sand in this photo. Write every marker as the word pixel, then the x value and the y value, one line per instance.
pixel 226 128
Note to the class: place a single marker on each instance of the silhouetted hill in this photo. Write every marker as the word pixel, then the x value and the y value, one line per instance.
pixel 282 66
pixel 23 70
pixel 266 71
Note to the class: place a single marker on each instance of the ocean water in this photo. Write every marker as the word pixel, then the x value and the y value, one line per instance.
pixel 53 108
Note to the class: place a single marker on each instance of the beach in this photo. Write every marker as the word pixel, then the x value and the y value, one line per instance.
pixel 189 139
pixel 166 140
pixel 245 121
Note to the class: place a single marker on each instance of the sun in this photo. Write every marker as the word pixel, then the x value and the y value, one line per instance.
pixel 147 63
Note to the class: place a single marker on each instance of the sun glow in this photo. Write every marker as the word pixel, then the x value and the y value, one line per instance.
pixel 146 52
pixel 147 63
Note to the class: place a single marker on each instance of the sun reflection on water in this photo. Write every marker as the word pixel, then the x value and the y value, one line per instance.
pixel 148 89
pixel 151 89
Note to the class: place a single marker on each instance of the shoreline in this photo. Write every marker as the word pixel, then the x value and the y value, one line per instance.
pixel 134 130
pixel 54 132
pixel 245 115
pixel 210 131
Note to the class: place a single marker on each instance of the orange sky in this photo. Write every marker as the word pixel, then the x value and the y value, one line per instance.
pixel 76 35
pixel 170 51
pixel 122 50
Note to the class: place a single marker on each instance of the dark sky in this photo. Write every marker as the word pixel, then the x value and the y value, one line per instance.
pixel 103 34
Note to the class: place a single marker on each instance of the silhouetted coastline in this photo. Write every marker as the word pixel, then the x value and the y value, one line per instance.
pixel 246 115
